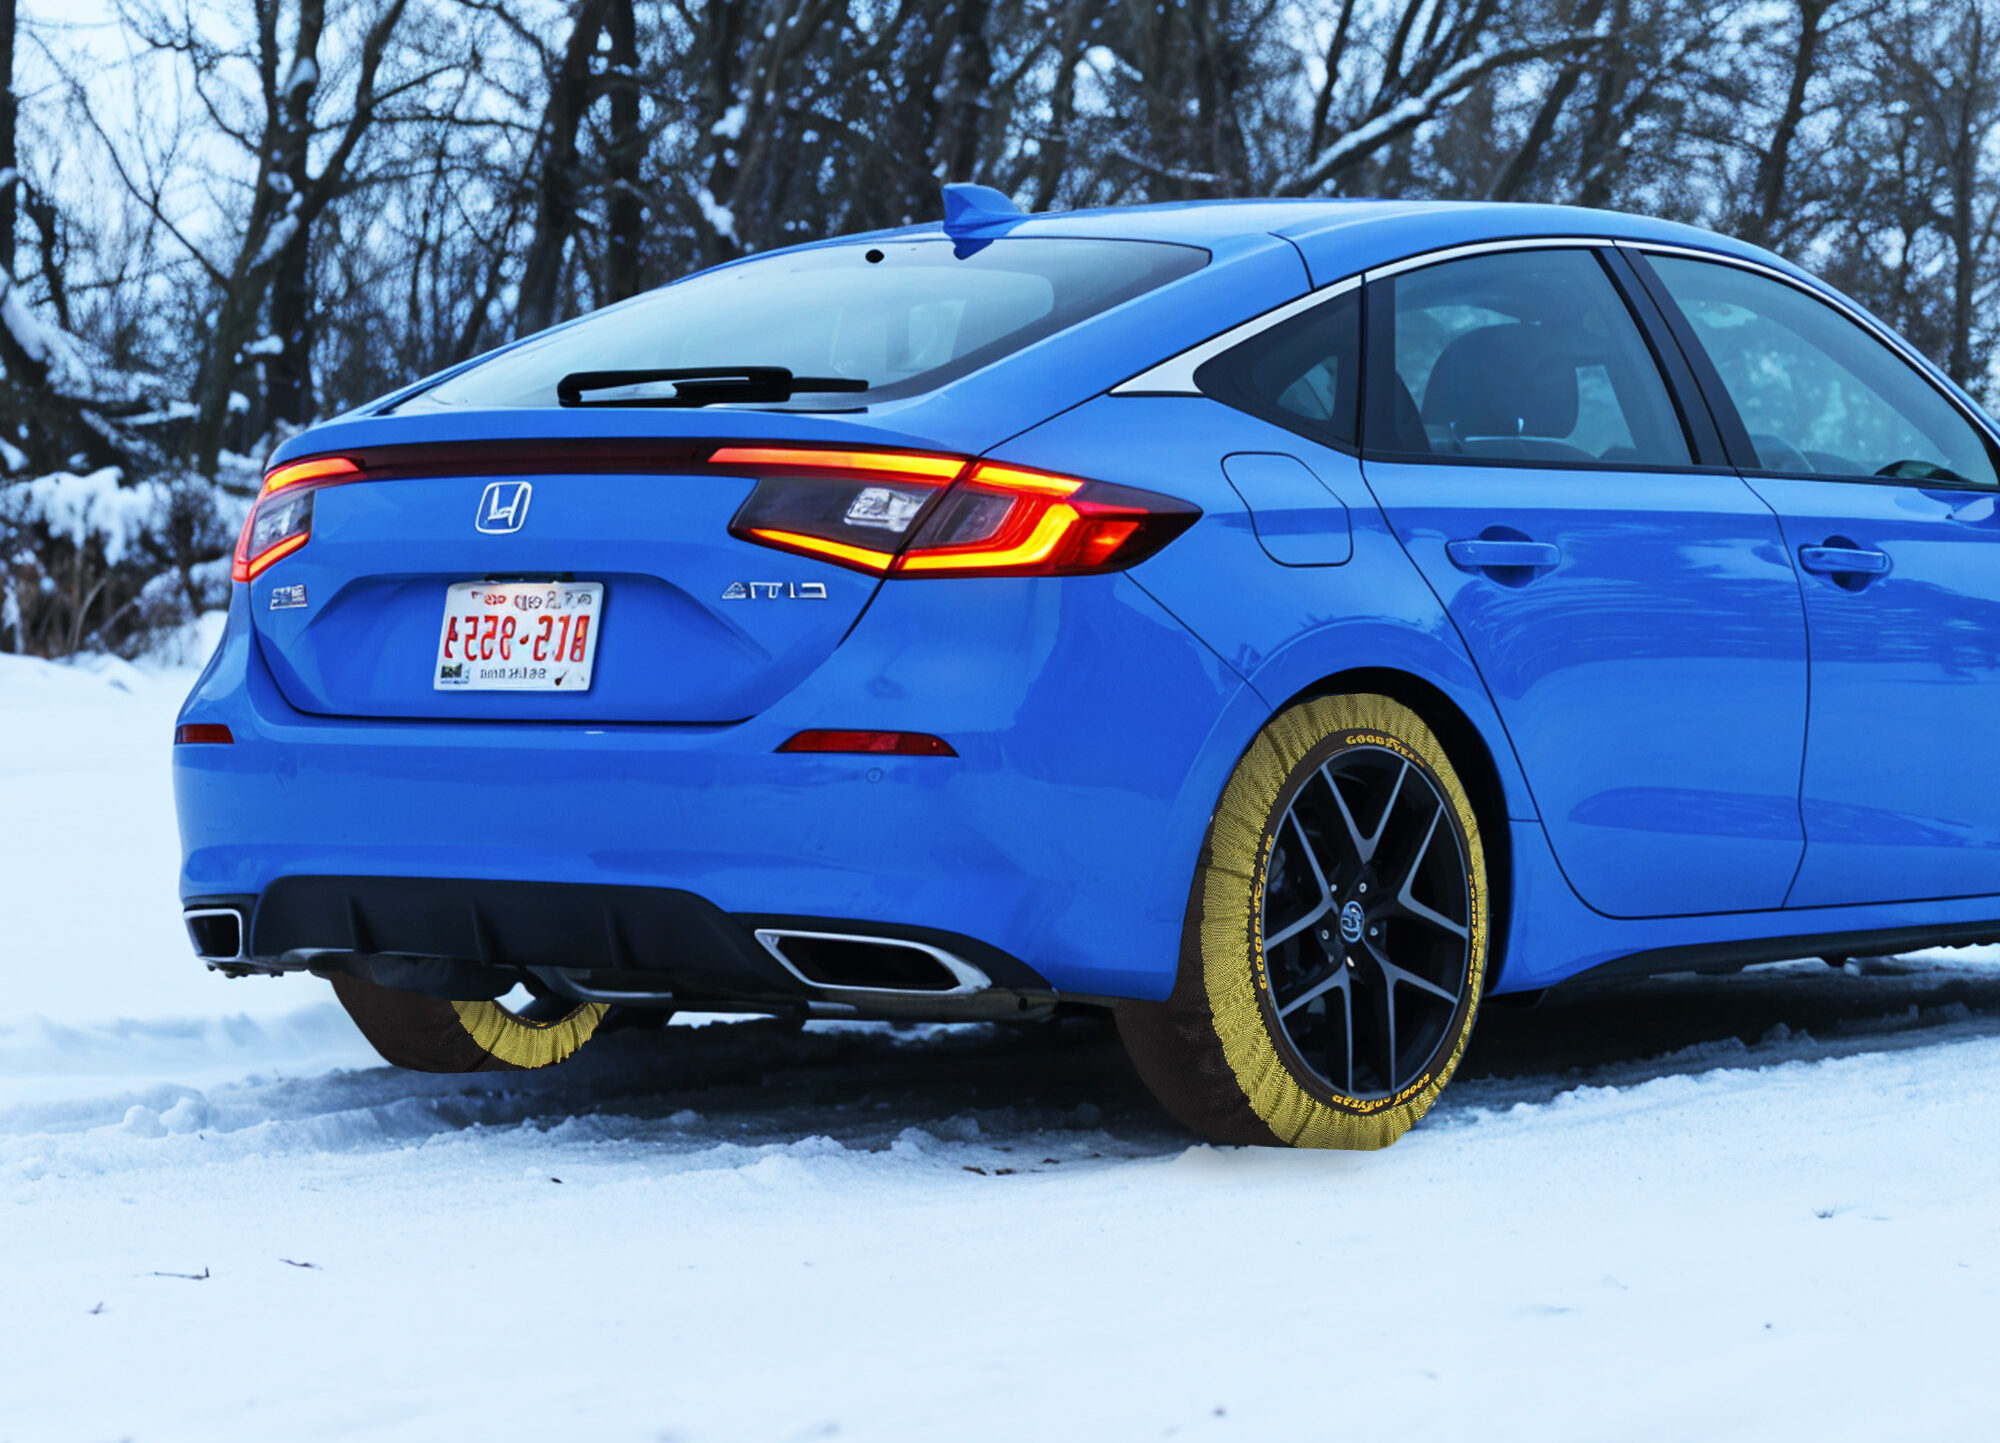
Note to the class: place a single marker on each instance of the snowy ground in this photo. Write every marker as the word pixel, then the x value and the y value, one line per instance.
pixel 1758 1207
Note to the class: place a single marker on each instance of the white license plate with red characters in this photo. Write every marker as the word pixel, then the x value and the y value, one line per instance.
pixel 519 636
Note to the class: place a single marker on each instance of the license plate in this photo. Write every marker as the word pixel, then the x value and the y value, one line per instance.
pixel 519 636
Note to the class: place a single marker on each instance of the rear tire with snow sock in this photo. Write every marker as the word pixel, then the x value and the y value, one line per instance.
pixel 429 1034
pixel 1336 937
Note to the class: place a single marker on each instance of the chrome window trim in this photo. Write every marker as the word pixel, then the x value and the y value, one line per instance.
pixel 1175 375
pixel 1926 370
pixel 1476 248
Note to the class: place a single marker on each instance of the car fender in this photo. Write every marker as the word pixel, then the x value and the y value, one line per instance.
pixel 1312 661
pixel 1286 630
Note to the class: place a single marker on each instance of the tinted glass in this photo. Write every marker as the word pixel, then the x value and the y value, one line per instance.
pixel 1522 356
pixel 1818 394
pixel 912 318
pixel 1304 374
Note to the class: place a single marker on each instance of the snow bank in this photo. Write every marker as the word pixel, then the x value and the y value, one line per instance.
pixel 1715 1208
pixel 89 851
pixel 1528 1272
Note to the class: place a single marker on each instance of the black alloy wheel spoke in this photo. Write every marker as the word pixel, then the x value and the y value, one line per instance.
pixel 1365 847
pixel 1369 970
pixel 1334 977
pixel 1410 905
pixel 1381 1032
pixel 1397 977
pixel 1321 907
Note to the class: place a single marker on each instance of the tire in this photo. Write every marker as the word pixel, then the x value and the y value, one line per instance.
pixel 1283 1040
pixel 429 1034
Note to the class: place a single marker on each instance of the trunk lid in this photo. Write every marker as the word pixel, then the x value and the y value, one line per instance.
pixel 695 625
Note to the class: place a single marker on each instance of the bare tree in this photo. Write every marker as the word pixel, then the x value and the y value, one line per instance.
pixel 1428 55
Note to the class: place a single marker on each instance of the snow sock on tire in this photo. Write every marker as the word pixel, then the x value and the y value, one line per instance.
pixel 429 1034
pixel 1335 940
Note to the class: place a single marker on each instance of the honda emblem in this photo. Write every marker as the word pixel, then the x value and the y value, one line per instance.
pixel 503 506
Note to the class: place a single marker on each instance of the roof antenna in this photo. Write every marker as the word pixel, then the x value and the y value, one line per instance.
pixel 975 214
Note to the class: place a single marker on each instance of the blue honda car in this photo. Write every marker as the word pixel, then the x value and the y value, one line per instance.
pixel 1284 624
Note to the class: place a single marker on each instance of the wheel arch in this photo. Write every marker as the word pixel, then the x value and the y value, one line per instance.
pixel 1471 755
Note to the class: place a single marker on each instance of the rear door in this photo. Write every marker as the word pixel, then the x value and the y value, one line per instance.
pixel 1626 597
pixel 1886 491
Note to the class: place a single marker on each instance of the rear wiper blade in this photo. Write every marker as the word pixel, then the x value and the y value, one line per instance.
pixel 699 385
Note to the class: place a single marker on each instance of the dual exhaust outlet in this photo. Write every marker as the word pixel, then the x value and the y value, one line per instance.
pixel 828 962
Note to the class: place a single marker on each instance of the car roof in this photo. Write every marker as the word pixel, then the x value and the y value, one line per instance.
pixel 1342 236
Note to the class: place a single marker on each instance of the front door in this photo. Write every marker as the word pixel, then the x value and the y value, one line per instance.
pixel 1633 613
pixel 1886 493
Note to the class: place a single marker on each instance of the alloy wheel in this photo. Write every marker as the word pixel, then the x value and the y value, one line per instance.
pixel 1367 942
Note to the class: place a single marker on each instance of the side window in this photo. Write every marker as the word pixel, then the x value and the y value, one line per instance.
pixel 1527 356
pixel 1818 394
pixel 1304 375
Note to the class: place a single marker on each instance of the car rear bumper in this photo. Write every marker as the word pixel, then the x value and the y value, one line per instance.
pixel 1093 734
pixel 643 946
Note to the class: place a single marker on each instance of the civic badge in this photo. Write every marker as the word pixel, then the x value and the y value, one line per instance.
pixel 503 506
pixel 775 591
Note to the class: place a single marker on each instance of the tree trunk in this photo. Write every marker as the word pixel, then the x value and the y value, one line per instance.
pixel 288 375
pixel 961 119
pixel 1964 154
pixel 9 115
pixel 288 386
pixel 1598 163
pixel 625 212
pixel 570 93
pixel 278 206
pixel 1769 218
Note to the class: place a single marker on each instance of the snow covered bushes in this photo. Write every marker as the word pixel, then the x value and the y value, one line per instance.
pixel 88 562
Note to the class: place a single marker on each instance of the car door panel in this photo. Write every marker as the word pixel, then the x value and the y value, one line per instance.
pixel 1632 609
pixel 1885 490
pixel 1653 680
pixel 1906 691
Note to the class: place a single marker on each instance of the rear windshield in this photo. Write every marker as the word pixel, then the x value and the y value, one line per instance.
pixel 903 316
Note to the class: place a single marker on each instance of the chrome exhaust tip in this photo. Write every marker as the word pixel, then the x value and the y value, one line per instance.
pixel 219 934
pixel 846 962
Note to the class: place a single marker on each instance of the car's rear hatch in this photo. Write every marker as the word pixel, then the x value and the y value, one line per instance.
pixel 694 626
pixel 962 345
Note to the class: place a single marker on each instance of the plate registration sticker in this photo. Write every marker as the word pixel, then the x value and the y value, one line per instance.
pixel 518 636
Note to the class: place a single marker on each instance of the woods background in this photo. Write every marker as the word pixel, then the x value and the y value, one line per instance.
pixel 221 219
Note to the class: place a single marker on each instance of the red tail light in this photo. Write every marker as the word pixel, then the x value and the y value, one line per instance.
pixel 281 520
pixel 924 515
pixel 856 508
pixel 202 733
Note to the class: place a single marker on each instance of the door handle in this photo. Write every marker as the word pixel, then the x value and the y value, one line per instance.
pixel 1492 554
pixel 1843 561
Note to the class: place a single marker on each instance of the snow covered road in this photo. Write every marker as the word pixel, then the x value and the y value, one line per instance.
pixel 1756 1207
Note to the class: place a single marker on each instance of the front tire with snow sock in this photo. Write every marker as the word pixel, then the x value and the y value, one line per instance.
pixel 1336 937
pixel 429 1034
